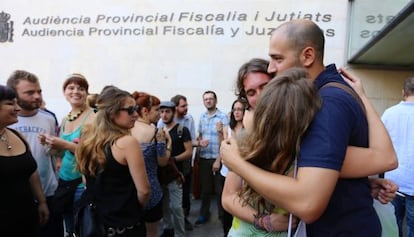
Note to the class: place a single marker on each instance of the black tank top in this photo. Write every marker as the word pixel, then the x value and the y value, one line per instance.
pixel 116 197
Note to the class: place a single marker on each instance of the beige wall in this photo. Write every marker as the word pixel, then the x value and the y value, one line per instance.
pixel 182 46
pixel 383 87
pixel 162 62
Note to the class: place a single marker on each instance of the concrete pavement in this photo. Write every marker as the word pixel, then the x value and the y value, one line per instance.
pixel 212 228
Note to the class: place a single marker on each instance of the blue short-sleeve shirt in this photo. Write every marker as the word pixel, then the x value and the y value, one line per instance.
pixel 207 129
pixel 340 122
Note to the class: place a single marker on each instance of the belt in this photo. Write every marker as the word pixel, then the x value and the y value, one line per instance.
pixel 114 231
pixel 204 158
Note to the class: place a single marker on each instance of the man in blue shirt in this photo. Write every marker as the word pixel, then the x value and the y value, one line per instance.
pixel 339 207
pixel 399 121
pixel 209 139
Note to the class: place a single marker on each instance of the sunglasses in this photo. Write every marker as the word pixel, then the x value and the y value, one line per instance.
pixel 131 109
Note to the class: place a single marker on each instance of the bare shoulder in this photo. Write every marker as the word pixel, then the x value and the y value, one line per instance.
pixel 126 141
pixel 125 147
pixel 91 117
pixel 144 133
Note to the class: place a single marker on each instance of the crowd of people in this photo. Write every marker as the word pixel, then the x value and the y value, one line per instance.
pixel 298 150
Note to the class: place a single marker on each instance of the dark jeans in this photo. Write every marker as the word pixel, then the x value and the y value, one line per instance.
pixel 209 185
pixel 187 194
pixel 226 218
pixel 54 227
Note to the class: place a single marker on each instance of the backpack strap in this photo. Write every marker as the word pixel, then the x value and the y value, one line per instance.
pixel 154 138
pixel 180 130
pixel 349 90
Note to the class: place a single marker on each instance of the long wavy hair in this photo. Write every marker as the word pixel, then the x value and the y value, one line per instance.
pixel 95 136
pixel 284 111
pixel 254 65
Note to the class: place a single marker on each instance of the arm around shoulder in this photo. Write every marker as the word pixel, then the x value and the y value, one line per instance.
pixel 380 156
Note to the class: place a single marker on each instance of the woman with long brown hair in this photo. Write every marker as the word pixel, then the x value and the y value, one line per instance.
pixel 380 149
pixel 107 148
pixel 283 113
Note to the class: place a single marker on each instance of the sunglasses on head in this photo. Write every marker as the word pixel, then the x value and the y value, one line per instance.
pixel 131 109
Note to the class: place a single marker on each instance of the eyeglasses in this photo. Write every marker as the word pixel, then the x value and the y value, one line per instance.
pixel 237 110
pixel 131 109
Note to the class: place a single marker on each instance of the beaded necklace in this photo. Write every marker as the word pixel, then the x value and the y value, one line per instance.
pixel 5 140
pixel 71 118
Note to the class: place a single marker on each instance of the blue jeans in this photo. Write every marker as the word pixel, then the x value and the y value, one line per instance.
pixel 69 216
pixel 404 206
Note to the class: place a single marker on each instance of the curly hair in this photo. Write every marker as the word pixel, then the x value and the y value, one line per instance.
pixel 254 65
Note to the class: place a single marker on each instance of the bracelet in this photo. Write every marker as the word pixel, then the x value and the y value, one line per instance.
pixel 263 222
pixel 256 221
pixel 267 223
pixel 41 201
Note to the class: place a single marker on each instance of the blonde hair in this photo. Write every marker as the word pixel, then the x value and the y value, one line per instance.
pixel 102 132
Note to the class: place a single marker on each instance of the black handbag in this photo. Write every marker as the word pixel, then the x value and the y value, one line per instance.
pixel 168 173
pixel 63 197
pixel 87 220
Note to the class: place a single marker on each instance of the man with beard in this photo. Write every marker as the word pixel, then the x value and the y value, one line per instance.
pixel 210 129
pixel 182 117
pixel 32 122
pixel 181 151
pixel 341 122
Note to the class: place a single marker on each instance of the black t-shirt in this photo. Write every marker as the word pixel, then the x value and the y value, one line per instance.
pixel 18 211
pixel 178 140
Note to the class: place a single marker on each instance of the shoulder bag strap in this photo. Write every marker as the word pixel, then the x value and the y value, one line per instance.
pixel 349 91
pixel 295 171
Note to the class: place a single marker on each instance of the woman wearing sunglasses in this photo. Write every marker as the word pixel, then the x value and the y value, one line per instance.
pixel 108 149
